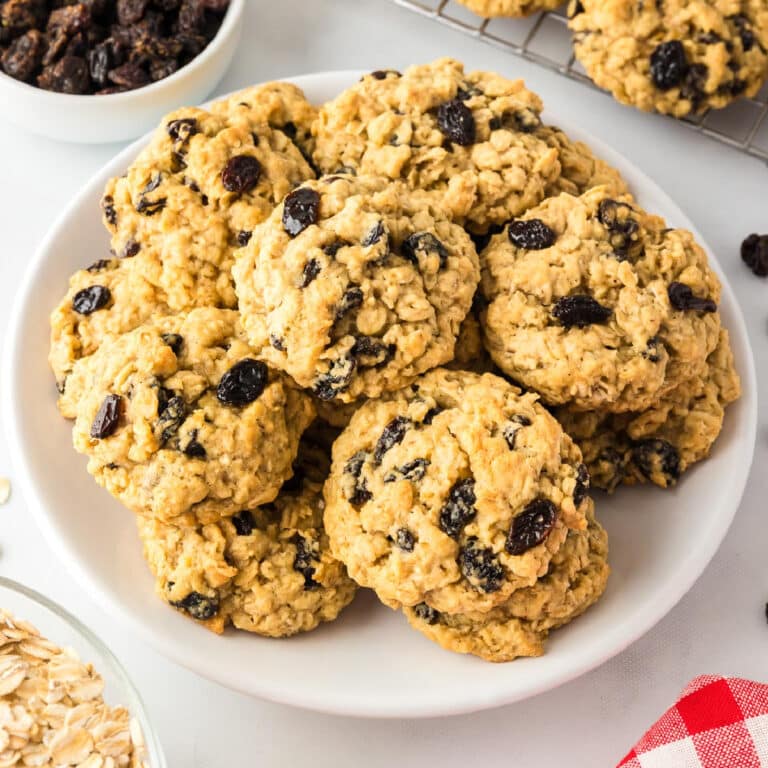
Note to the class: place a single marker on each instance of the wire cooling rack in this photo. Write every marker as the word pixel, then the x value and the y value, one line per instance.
pixel 544 38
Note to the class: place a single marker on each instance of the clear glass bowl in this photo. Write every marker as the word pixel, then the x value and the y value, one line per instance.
pixel 62 628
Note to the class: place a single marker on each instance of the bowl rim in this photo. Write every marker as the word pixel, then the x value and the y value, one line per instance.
pixel 228 26
pixel 689 568
pixel 135 706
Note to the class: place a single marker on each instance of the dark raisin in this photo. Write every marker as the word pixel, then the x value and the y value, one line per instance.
pixel 744 29
pixel 336 379
pixel 381 74
pixel 518 421
pixel 531 234
pixel 300 210
pixel 459 509
pixel 669 65
pixel 68 75
pixel 90 299
pixel 352 298
pixel 174 340
pixel 374 234
pixel 523 120
pixel 411 470
pixel 652 352
pixel 198 606
pixel 655 455
pixel 431 413
pixel 244 237
pixel 99 266
pixel 276 342
pixel 302 561
pixel 579 310
pixel 241 174
pixel 171 412
pixel 107 417
pixel 456 122
pixel 420 245
pixel 480 567
pixel 531 526
pixel 150 207
pixel 404 540
pixel 130 249
pixel 243 522
pixel 310 272
pixel 681 297
pixel 333 248
pixel 623 229
pixel 376 352
pixel 194 449
pixel 426 613
pixel 130 75
pixel 357 490
pixel 23 56
pixel 754 253
pixel 242 383
pixel 108 208
pixel 182 129
pixel 694 84
pixel 131 11
pixel 581 489
pixel 392 435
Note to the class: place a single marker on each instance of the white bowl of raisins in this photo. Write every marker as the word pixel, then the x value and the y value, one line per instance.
pixel 106 70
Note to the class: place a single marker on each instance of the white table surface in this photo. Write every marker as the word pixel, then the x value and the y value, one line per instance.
pixel 719 627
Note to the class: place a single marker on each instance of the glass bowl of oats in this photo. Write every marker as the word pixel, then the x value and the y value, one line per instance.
pixel 64 697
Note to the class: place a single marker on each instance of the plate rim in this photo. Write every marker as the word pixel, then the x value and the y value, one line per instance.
pixel 690 567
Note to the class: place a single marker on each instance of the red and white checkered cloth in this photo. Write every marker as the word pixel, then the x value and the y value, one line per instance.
pixel 718 722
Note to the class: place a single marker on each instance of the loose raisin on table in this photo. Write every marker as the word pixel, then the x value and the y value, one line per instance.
pixel 243 382
pixel 531 526
pixel 90 299
pixel 754 253
pixel 531 234
pixel 418 247
pixel 241 174
pixel 107 417
pixel 243 522
pixel 300 210
pixel 580 310
pixel 669 65
pixel 480 567
pixel 198 606
pixel 459 509
pixel 681 297
pixel 392 435
pixel 456 122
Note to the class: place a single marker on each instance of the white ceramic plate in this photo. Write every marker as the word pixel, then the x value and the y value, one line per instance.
pixel 370 662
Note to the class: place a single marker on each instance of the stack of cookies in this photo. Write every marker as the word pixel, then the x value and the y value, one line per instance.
pixel 679 57
pixel 385 343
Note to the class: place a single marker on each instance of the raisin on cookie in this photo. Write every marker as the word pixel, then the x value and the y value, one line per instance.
pixel 660 443
pixel 180 421
pixel 465 138
pixel 677 57
pixel 355 285
pixel 575 580
pixel 266 570
pixel 595 303
pixel 454 491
